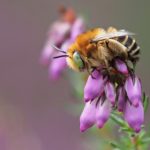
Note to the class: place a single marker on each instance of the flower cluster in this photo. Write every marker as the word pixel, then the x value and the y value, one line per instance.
pixel 61 34
pixel 119 90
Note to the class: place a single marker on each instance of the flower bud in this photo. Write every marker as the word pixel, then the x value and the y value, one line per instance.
pixel 133 89
pixel 121 99
pixel 47 53
pixel 56 35
pixel 103 111
pixel 121 66
pixel 110 92
pixel 59 64
pixel 58 32
pixel 87 118
pixel 94 86
pixel 134 116
pixel 56 67
pixel 77 28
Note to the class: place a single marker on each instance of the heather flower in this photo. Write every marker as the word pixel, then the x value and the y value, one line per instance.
pixel 121 66
pixel 87 118
pixel 111 90
pixel 61 34
pixel 134 115
pixel 121 99
pixel 77 28
pixel 57 66
pixel 95 112
pixel 134 90
pixel 57 34
pixel 94 86
pixel 103 112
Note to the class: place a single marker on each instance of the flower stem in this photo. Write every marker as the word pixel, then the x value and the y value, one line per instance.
pixel 134 140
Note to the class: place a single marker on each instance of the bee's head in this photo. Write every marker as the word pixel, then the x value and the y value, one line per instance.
pixel 75 60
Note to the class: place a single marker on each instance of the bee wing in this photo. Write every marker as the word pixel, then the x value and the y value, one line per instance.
pixel 112 35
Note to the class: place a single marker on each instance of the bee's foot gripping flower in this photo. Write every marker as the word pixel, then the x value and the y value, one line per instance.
pixel 102 94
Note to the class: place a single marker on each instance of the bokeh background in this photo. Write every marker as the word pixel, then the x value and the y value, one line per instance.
pixel 33 113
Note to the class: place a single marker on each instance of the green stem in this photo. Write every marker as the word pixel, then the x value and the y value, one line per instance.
pixel 134 140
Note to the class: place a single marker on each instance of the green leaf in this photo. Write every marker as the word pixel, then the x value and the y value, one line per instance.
pixel 118 120
pixel 116 149
pixel 114 145
pixel 77 83
pixel 142 134
pixel 145 140
pixel 145 102
pixel 127 129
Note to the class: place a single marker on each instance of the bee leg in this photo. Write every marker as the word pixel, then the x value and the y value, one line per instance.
pixel 93 69
pixel 105 72
pixel 90 72
pixel 116 47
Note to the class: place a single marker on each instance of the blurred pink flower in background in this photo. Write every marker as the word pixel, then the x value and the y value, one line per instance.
pixel 61 34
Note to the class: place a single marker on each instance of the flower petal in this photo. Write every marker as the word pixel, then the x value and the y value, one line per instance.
pixel 47 53
pixel 57 35
pixel 121 99
pixel 87 118
pixel 134 90
pixel 134 116
pixel 56 67
pixel 58 31
pixel 94 86
pixel 110 92
pixel 121 66
pixel 102 113
pixel 77 28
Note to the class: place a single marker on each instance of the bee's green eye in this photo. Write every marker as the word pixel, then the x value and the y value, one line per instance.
pixel 78 61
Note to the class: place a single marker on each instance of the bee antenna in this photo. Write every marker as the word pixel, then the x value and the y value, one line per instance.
pixel 58 49
pixel 60 56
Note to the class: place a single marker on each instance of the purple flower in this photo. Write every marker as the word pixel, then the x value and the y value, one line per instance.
pixel 103 112
pixel 61 34
pixel 121 99
pixel 56 67
pixel 57 34
pixel 133 89
pixel 94 86
pixel 98 111
pixel 59 31
pixel 87 118
pixel 134 116
pixel 77 28
pixel 121 66
pixel 110 92
pixel 47 52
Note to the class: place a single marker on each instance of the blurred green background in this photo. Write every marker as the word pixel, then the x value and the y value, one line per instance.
pixel 32 108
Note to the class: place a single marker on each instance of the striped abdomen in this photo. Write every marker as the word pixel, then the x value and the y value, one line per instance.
pixel 132 46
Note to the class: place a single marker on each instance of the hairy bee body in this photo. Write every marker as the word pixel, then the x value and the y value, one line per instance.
pixel 98 47
pixel 132 47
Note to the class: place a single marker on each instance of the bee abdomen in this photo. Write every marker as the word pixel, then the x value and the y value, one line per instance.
pixel 132 47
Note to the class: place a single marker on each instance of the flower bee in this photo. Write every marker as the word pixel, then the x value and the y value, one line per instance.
pixel 99 48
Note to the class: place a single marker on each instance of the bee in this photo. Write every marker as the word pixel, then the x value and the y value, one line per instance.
pixel 99 48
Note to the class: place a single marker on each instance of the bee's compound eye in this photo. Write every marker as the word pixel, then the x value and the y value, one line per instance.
pixel 78 60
